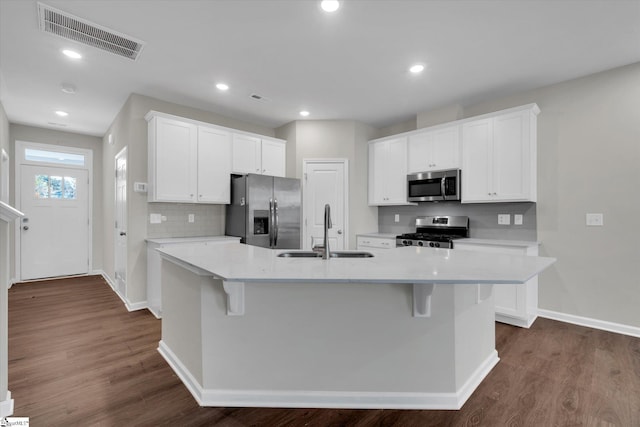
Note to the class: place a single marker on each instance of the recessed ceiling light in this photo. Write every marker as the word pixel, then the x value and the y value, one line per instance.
pixel 222 86
pixel 72 54
pixel 68 88
pixel 329 5
pixel 417 68
pixel 62 113
pixel 304 113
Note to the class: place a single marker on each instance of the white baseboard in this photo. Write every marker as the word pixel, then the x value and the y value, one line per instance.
pixel 591 323
pixel 6 406
pixel 131 306
pixel 326 399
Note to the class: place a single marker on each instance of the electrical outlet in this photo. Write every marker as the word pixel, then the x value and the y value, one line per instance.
pixel 517 219
pixel 396 218
pixel 504 219
pixel 155 218
pixel 192 218
pixel 595 219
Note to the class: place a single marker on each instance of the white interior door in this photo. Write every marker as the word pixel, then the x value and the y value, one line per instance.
pixel 54 233
pixel 120 256
pixel 325 181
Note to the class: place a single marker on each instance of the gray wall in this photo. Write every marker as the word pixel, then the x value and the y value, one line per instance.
pixel 5 260
pixel 93 143
pixel 130 129
pixel 325 139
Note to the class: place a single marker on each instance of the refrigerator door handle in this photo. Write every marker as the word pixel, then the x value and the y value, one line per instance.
pixel 275 222
pixel 271 223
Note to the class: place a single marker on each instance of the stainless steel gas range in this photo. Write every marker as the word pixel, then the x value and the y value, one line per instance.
pixel 436 231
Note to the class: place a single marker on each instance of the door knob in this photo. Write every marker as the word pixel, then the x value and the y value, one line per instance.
pixel 26 227
pixel 339 231
pixel 123 233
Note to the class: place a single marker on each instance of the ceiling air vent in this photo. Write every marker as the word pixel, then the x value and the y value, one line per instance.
pixel 71 27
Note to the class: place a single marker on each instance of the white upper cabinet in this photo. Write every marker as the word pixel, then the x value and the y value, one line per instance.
pixel 432 150
pixel 192 162
pixel 274 154
pixel 214 165
pixel 172 160
pixel 258 155
pixel 388 172
pixel 499 157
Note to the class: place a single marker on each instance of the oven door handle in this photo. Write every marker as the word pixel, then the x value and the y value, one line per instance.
pixel 443 187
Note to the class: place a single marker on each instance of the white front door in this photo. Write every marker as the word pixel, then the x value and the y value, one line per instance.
pixel 325 182
pixel 120 256
pixel 54 233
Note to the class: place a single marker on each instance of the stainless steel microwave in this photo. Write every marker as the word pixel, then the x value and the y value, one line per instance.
pixel 433 186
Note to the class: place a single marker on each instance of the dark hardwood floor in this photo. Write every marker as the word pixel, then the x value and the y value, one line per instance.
pixel 77 357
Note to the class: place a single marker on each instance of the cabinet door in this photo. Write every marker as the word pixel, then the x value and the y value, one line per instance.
pixel 377 173
pixel 396 171
pixel 445 149
pixel 511 160
pixel 363 242
pixel 388 172
pixel 477 161
pixel 419 148
pixel 214 165
pixel 175 161
pixel 246 154
pixel 273 157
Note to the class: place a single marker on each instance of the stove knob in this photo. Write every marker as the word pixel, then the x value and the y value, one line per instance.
pixel 409 242
pixel 404 243
pixel 431 244
pixel 437 245
pixel 420 243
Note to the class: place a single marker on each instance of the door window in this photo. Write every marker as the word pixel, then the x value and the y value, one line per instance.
pixel 55 187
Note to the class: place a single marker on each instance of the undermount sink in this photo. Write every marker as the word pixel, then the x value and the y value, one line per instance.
pixel 300 254
pixel 337 254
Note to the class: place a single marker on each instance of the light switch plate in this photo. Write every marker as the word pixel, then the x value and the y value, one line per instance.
pixel 517 219
pixel 396 218
pixel 595 219
pixel 504 219
pixel 192 218
pixel 155 218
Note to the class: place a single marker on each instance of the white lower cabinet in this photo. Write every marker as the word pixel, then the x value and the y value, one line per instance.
pixel 515 304
pixel 364 242
pixel 154 270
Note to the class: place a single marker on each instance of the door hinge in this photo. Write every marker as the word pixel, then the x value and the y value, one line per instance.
pixel 116 224
pixel 306 177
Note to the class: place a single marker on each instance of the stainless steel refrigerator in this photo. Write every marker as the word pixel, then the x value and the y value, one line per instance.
pixel 265 211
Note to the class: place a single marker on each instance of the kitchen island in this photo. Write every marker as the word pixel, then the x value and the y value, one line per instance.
pixel 407 328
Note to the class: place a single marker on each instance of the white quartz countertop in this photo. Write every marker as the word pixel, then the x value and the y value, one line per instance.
pixel 379 235
pixel 169 240
pixel 238 262
pixel 497 242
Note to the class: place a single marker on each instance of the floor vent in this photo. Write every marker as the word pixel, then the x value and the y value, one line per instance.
pixel 71 27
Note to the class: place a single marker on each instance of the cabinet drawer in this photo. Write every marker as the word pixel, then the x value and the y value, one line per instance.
pixel 375 242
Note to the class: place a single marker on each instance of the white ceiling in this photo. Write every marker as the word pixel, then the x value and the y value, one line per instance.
pixel 349 65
